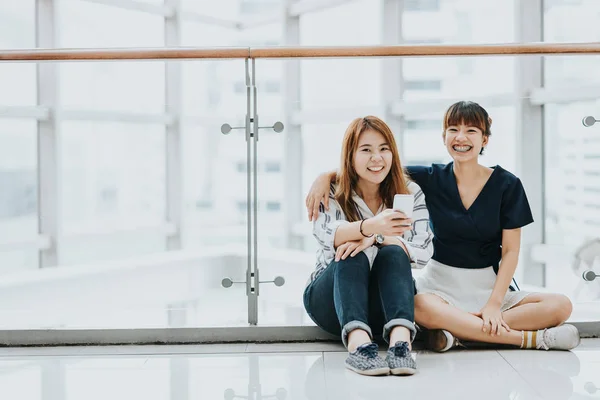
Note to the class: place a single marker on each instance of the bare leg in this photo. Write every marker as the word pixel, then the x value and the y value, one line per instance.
pixel 432 312
pixel 400 334
pixel 357 338
pixel 539 311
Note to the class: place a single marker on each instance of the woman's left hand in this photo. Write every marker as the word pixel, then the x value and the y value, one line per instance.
pixel 353 247
pixel 492 319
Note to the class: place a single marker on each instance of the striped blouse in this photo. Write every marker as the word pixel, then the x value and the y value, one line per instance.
pixel 418 240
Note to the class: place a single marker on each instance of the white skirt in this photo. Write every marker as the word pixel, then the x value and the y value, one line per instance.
pixel 465 288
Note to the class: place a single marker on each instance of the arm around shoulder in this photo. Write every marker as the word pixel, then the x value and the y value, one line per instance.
pixel 320 191
pixel 326 224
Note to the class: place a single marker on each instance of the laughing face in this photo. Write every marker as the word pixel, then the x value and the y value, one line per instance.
pixel 373 157
pixel 464 142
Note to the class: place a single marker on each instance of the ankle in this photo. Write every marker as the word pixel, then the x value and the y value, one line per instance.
pixel 353 346
pixel 357 338
pixel 400 334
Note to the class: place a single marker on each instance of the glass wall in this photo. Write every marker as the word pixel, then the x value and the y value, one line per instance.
pixel 571 21
pixel 113 166
pixel 153 196
pixel 17 31
pixel 18 142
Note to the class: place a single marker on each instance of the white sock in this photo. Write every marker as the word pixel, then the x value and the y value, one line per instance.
pixel 532 339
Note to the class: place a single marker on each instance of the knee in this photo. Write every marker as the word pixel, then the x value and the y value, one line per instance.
pixel 395 254
pixel 561 308
pixel 356 262
pixel 360 258
pixel 426 312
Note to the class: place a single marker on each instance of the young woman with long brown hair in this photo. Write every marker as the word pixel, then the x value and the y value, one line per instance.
pixel 362 285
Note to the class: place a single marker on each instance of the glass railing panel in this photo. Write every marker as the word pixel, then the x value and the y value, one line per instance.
pixel 325 108
pixel 113 269
pixel 572 179
pixel 18 196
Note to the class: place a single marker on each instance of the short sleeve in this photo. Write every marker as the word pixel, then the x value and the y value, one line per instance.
pixel 514 210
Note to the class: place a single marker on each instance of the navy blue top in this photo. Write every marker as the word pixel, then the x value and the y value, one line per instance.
pixel 471 238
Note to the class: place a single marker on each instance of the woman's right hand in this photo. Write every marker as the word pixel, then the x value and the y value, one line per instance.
pixel 319 192
pixel 388 223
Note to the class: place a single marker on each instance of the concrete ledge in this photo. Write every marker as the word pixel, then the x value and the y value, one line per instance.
pixel 249 334
pixel 86 337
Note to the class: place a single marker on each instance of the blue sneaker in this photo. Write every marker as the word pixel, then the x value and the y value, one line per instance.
pixel 400 361
pixel 365 360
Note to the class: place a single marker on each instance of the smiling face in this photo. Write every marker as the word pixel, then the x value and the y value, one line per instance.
pixel 466 131
pixel 464 142
pixel 370 166
pixel 373 157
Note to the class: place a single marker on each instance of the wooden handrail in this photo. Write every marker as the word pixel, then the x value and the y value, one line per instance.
pixel 427 50
pixel 177 53
pixel 299 52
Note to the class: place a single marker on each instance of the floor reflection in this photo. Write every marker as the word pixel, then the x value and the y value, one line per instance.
pixel 458 375
pixel 298 372
pixel 254 385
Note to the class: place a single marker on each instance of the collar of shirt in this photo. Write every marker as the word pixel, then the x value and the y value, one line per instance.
pixel 363 209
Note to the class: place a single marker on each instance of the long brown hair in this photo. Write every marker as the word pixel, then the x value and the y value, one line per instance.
pixel 394 183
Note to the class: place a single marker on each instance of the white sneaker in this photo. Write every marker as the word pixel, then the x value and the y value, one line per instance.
pixel 440 340
pixel 563 337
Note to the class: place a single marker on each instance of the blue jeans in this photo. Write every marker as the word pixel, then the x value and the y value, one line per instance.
pixel 350 295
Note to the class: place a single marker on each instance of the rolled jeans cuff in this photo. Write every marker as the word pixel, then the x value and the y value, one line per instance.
pixel 387 328
pixel 352 325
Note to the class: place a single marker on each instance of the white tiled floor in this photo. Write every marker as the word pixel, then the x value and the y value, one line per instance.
pixel 290 371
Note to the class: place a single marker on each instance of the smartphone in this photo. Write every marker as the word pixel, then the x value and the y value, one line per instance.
pixel 404 203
